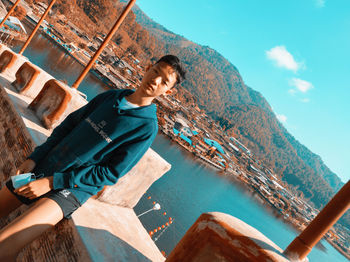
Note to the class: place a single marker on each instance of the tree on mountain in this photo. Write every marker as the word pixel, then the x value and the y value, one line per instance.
pixel 118 39
pixel 82 45
pixel 30 2
pixel 132 49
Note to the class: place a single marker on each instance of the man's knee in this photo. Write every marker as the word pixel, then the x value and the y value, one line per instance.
pixel 8 202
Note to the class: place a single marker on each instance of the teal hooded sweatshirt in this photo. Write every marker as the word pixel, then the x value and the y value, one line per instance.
pixel 96 145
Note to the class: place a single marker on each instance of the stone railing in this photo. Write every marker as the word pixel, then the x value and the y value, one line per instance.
pixel 104 228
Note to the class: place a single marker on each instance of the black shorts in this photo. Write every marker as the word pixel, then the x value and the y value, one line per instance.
pixel 63 197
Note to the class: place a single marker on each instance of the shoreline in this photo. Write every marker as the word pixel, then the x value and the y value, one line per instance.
pixel 256 193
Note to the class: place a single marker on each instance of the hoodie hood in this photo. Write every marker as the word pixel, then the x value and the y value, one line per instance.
pixel 142 111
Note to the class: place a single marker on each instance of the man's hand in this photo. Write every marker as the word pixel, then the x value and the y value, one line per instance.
pixel 36 188
pixel 26 167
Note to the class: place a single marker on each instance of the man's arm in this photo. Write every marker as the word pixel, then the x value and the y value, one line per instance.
pixel 123 159
pixel 65 127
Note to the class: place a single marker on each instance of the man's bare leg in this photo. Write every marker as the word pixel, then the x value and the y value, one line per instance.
pixel 8 202
pixel 24 229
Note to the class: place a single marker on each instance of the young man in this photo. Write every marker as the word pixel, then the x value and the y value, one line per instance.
pixel 93 147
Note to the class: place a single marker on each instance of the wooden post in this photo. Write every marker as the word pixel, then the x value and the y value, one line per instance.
pixel 329 215
pixel 9 12
pixel 36 27
pixel 105 42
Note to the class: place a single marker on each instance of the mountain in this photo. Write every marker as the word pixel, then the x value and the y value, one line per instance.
pixel 218 88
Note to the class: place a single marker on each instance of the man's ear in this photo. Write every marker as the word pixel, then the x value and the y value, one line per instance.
pixel 148 67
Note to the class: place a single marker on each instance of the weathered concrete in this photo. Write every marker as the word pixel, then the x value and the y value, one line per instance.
pixel 3 48
pixel 220 237
pixel 131 187
pixel 10 62
pixel 37 132
pixel 114 233
pixel 55 102
pixel 98 231
pixel 15 141
pixel 30 79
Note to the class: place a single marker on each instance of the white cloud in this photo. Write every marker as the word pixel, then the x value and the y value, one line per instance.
pixel 305 100
pixel 320 3
pixel 282 118
pixel 282 58
pixel 292 91
pixel 302 85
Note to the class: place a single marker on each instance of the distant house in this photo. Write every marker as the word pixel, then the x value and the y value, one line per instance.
pixel 102 35
pixel 182 136
pixel 84 37
pixel 41 7
pixel 233 147
pixel 74 28
pixel 183 126
pixel 240 145
pixel 98 39
pixel 93 48
pixel 215 144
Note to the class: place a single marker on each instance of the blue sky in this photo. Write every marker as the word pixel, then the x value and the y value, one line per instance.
pixel 295 52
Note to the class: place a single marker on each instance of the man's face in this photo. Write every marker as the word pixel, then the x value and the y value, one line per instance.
pixel 158 80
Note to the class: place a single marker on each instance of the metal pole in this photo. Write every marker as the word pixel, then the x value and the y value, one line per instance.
pixel 155 207
pixel 161 233
pixel 36 27
pixel 145 212
pixel 105 42
pixel 9 12
pixel 329 215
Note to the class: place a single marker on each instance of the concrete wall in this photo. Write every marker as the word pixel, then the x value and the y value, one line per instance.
pixel 220 237
pixel 30 79
pixel 111 231
pixel 10 62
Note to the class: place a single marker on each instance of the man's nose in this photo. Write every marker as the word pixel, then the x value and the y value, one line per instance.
pixel 157 80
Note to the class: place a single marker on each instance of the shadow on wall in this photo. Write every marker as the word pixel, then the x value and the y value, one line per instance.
pixel 104 246
pixel 59 243
pixel 265 246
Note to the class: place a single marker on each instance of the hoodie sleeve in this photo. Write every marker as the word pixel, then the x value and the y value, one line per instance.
pixel 122 160
pixel 65 127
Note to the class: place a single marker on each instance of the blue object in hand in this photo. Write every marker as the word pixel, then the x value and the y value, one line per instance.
pixel 22 179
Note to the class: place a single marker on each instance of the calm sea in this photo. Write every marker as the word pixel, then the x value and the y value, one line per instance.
pixel 191 187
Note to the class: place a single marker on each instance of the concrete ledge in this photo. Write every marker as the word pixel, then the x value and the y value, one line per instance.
pixel 7 59
pixel 3 48
pixel 54 102
pixel 220 237
pixel 10 62
pixel 131 187
pixel 30 79
pixel 113 232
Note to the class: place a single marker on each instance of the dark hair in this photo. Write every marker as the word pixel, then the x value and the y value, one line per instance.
pixel 175 63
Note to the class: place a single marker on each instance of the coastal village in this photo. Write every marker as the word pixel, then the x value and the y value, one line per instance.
pixel 184 123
